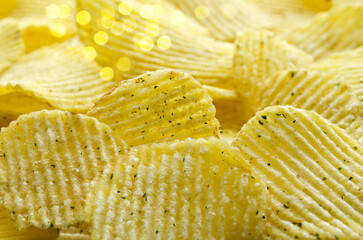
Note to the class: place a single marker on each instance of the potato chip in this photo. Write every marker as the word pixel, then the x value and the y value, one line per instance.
pixel 326 94
pixel 225 18
pixel 74 233
pixel 348 64
pixel 8 230
pixel 52 77
pixel 192 189
pixel 48 159
pixel 137 41
pixel 258 55
pixel 340 2
pixel 11 43
pixel 339 29
pixel 158 106
pixel 313 171
pixel 42 21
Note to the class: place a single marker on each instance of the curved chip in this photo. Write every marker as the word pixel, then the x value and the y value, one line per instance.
pixel 135 41
pixel 225 18
pixel 158 106
pixel 313 171
pixel 8 230
pixel 58 76
pixel 348 64
pixel 320 37
pixel 327 94
pixel 11 43
pixel 192 189
pixel 258 55
pixel 42 21
pixel 48 159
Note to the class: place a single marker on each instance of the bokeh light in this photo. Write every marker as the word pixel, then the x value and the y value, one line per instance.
pixel 129 24
pixel 89 53
pixel 164 42
pixel 146 44
pixel 125 8
pixel 177 17
pixel 147 11
pixel 83 17
pixel 65 11
pixel 52 11
pixel 152 29
pixel 117 28
pixel 107 21
pixel 101 38
pixel 123 64
pixel 107 74
pixel 58 30
pixel 201 12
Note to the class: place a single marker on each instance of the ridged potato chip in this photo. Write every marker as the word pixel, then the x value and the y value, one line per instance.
pixel 325 93
pixel 225 18
pixel 48 159
pixel 58 76
pixel 42 21
pixel 348 64
pixel 192 189
pixel 339 29
pixel 74 233
pixel 313 171
pixel 11 43
pixel 135 41
pixel 8 230
pixel 158 106
pixel 258 55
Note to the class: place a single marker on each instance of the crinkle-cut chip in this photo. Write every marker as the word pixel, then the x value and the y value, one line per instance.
pixel 260 54
pixel 221 93
pixel 11 43
pixel 158 106
pixel 49 159
pixel 313 171
pixel 58 76
pixel 325 93
pixel 348 64
pixel 42 21
pixel 224 18
pixel 339 29
pixel 74 233
pixel 192 189
pixel 135 45
pixel 8 230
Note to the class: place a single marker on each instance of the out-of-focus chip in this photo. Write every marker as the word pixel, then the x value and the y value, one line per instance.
pixel 232 113
pixel 48 159
pixel 339 29
pixel 224 18
pixel 341 2
pixel 158 106
pixel 313 171
pixel 42 21
pixel 325 93
pixel 58 76
pixel 11 43
pixel 348 64
pixel 192 189
pixel 8 230
pixel 258 55
pixel 136 40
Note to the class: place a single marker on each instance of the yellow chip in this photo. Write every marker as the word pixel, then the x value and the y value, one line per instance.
pixel 341 2
pixel 339 29
pixel 52 77
pixel 225 18
pixel 11 43
pixel 313 171
pixel 192 189
pixel 8 230
pixel 42 21
pixel 130 51
pixel 348 64
pixel 48 159
pixel 158 106
pixel 325 93
pixel 74 233
pixel 258 55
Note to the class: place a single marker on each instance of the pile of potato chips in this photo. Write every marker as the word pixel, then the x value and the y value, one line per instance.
pixel 193 119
